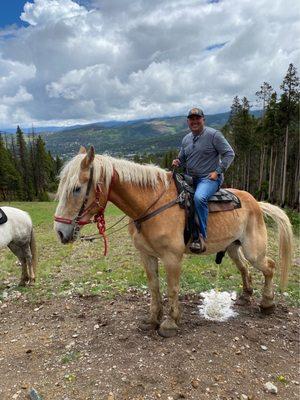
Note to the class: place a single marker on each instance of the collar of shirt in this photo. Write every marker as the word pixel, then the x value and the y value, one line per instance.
pixel 196 136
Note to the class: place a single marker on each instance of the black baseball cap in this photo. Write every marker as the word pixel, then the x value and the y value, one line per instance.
pixel 195 111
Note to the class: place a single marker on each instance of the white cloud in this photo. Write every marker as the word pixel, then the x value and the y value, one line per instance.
pixel 51 11
pixel 134 58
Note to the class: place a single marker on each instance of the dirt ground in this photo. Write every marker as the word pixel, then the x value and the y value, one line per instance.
pixel 91 348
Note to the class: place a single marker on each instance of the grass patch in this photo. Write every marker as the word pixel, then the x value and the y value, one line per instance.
pixel 69 357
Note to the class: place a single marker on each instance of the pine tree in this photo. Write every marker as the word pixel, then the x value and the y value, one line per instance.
pixel 10 179
pixel 43 168
pixel 264 97
pixel 24 166
pixel 288 106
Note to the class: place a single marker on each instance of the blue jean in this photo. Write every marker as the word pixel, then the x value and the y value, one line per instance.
pixel 204 189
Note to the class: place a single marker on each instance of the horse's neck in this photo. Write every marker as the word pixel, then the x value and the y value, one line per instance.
pixel 134 200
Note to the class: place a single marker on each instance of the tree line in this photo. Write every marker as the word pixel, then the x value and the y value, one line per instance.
pixel 27 170
pixel 267 162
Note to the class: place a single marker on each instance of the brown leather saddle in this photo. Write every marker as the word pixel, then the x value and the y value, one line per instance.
pixel 222 200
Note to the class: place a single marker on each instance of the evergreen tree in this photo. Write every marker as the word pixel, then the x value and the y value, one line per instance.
pixel 43 169
pixel 264 95
pixel 10 180
pixel 24 166
pixel 289 105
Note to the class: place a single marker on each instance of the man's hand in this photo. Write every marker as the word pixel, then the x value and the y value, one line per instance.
pixel 213 176
pixel 176 162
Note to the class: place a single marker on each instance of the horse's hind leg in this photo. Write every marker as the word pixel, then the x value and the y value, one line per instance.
pixel 19 252
pixel 255 253
pixel 234 252
pixel 267 266
pixel 28 257
pixel 156 310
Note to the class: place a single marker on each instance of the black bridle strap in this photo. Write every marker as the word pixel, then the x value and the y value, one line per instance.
pixel 139 221
pixel 88 189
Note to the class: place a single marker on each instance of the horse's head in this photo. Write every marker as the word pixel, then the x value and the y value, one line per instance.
pixel 80 195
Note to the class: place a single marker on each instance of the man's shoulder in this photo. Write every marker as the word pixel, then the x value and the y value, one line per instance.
pixel 211 131
pixel 188 137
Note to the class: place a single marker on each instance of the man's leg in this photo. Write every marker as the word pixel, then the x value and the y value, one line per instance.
pixel 204 190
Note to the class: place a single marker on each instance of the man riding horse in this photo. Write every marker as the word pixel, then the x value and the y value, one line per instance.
pixel 205 154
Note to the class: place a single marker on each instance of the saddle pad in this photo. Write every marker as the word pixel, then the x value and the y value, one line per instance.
pixel 218 206
pixel 223 200
pixel 3 217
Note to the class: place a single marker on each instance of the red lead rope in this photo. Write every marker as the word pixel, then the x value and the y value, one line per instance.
pixel 99 219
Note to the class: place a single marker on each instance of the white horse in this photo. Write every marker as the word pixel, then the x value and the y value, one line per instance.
pixel 17 234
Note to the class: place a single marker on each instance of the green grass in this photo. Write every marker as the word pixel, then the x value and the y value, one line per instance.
pixel 81 267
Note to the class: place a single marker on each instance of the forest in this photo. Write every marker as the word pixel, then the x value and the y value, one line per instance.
pixel 266 163
pixel 27 170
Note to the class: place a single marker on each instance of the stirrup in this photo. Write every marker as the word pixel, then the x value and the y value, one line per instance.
pixel 198 246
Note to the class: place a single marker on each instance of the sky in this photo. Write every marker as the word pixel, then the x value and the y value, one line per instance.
pixel 66 62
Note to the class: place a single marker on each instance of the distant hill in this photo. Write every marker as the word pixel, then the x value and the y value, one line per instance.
pixel 125 138
pixel 119 138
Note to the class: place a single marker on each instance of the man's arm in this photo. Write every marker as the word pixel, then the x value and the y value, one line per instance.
pixel 225 150
pixel 180 160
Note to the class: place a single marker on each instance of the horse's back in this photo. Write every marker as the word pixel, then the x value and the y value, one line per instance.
pixel 17 228
pixel 244 196
pixel 15 215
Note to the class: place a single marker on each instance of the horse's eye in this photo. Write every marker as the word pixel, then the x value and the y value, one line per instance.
pixel 76 190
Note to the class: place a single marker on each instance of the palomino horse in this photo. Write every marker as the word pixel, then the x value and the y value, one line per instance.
pixel 17 234
pixel 88 181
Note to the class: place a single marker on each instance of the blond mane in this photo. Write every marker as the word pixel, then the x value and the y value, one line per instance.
pixel 104 167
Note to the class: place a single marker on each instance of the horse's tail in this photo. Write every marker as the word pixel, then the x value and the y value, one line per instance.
pixel 33 251
pixel 285 238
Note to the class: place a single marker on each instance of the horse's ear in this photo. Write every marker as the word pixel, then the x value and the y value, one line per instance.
pixel 88 159
pixel 82 150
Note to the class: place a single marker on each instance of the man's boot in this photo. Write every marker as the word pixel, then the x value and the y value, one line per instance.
pixel 198 246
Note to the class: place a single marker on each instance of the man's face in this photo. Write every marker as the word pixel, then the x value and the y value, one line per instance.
pixel 195 123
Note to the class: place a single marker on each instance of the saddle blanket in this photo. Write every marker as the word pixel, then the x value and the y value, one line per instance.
pixel 222 200
pixel 3 217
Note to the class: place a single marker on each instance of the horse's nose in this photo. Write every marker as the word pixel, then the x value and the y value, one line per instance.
pixel 62 238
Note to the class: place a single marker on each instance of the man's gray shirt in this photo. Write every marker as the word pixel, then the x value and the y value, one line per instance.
pixel 205 153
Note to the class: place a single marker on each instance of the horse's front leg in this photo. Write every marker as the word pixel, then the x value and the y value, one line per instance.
pixel 156 310
pixel 169 326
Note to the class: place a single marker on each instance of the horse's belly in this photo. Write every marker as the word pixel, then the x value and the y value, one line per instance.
pixel 224 228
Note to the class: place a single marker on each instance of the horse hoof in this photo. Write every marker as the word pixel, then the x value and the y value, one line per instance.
pixel 242 300
pixel 168 328
pixel 148 325
pixel 167 333
pixel 267 310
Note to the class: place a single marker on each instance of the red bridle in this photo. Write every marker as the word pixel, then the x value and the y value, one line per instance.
pixel 78 220
pixel 98 217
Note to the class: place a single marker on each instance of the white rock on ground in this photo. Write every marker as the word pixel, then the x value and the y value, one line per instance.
pixel 271 388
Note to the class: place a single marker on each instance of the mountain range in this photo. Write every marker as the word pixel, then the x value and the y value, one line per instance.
pixel 125 138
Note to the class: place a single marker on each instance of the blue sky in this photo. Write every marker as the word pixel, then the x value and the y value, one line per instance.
pixel 10 11
pixel 69 62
